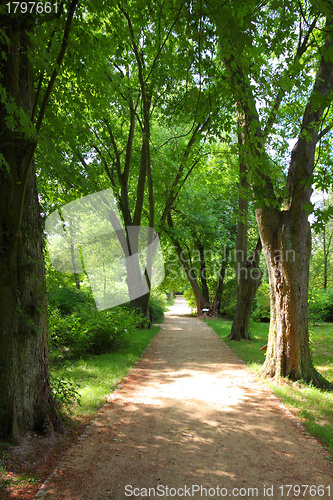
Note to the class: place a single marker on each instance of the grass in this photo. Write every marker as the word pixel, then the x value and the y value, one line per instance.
pixel 98 376
pixel 313 407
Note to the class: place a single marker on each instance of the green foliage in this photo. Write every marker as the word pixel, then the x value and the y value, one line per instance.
pixel 68 299
pixel 321 305
pixel 157 306
pixel 89 331
pixel 65 392
pixel 261 304
pixel 229 299
pixel 189 296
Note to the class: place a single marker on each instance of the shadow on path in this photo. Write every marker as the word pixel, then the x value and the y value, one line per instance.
pixel 190 415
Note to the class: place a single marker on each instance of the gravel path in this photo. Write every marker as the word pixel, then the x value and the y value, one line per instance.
pixel 190 421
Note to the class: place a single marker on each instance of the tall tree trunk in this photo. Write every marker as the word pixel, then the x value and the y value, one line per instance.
pixel 26 402
pixel 249 281
pixel 203 277
pixel 25 394
pixel 286 240
pixel 285 229
pixel 141 305
pixel 287 245
pixel 248 274
pixel 219 290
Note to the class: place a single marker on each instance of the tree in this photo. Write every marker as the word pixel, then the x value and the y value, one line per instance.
pixel 25 396
pixel 202 227
pixel 147 138
pixel 247 269
pixel 322 231
pixel 282 217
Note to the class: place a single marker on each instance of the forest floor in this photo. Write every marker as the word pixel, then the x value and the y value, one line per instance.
pixel 191 420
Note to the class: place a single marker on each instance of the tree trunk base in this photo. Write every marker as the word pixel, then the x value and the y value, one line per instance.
pixel 314 378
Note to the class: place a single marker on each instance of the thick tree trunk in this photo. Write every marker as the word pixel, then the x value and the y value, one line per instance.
pixel 286 242
pixel 285 232
pixel 25 394
pixel 287 245
pixel 141 305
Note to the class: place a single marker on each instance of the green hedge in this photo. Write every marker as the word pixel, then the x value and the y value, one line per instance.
pixel 90 331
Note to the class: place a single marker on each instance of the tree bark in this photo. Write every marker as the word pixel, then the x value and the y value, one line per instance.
pixel 25 394
pixel 285 229
pixel 248 283
pixel 26 401
pixel 286 240
pixel 287 246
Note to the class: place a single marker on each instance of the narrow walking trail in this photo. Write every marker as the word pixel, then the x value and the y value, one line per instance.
pixel 190 421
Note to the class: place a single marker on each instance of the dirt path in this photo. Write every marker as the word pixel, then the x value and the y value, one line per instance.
pixel 191 422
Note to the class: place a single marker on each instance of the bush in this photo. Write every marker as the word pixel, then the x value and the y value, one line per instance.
pixel 229 299
pixel 90 331
pixel 261 304
pixel 329 308
pixel 68 299
pixel 321 305
pixel 157 306
pixel 65 392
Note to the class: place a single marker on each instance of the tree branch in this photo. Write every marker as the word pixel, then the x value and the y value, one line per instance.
pixel 324 131
pixel 28 158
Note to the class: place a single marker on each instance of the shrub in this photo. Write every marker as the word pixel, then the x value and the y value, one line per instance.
pixel 90 331
pixel 321 305
pixel 261 304
pixel 68 299
pixel 329 307
pixel 157 306
pixel 65 392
